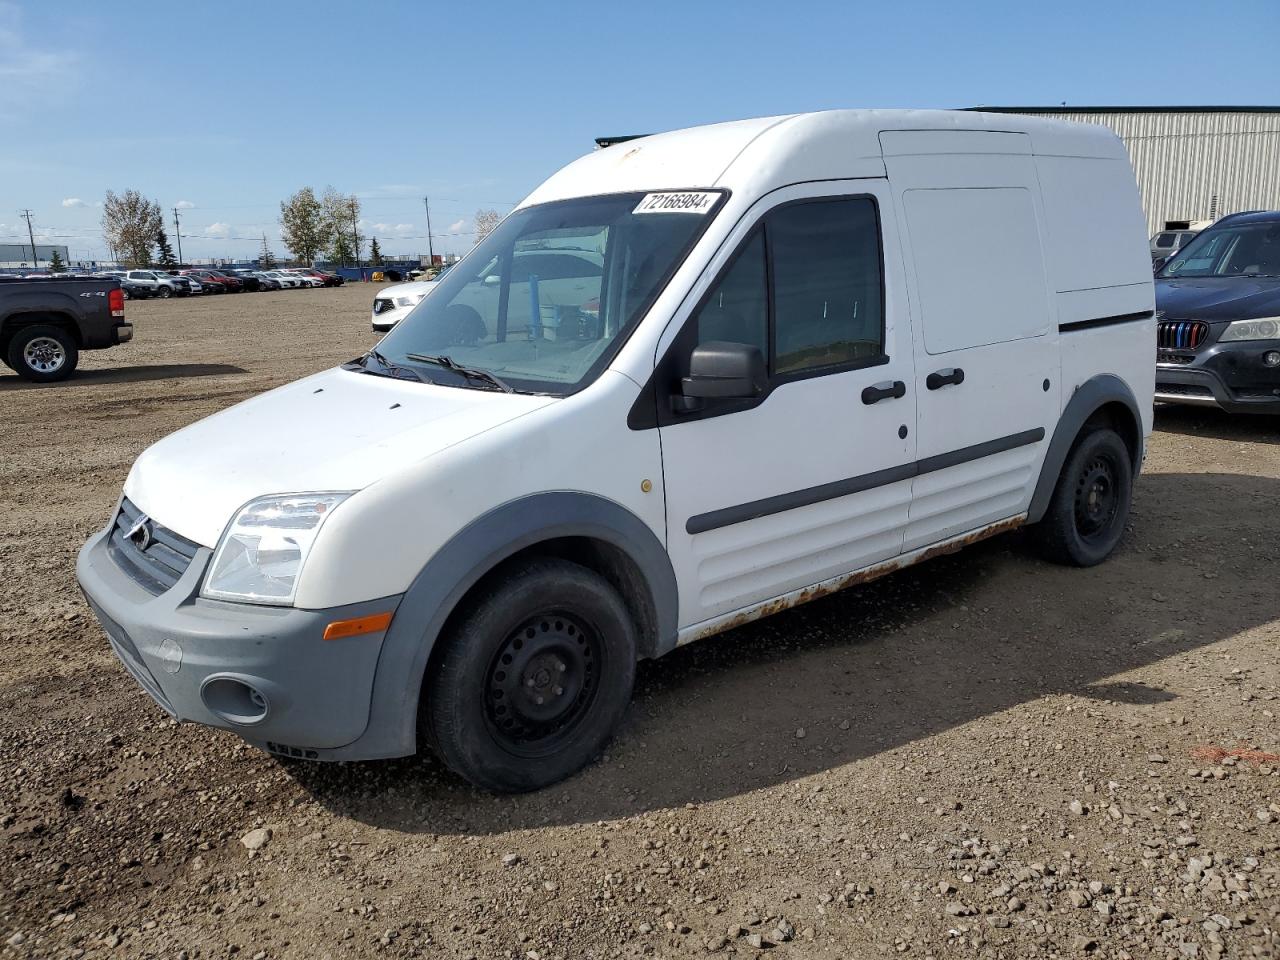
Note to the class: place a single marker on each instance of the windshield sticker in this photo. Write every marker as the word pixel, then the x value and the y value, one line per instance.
pixel 695 202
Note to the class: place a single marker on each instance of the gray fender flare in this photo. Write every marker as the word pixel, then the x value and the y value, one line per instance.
pixel 1089 396
pixel 469 555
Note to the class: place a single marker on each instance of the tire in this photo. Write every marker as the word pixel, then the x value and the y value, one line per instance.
pixel 548 629
pixel 1090 505
pixel 163 292
pixel 42 353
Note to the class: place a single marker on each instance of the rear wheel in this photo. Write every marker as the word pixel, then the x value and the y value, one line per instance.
pixel 533 679
pixel 42 354
pixel 1090 504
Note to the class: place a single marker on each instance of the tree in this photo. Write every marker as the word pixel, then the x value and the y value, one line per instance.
pixel 164 251
pixel 486 220
pixel 56 263
pixel 265 259
pixel 304 225
pixel 340 248
pixel 375 253
pixel 342 215
pixel 130 223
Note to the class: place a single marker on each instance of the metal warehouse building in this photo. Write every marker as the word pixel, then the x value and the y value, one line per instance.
pixel 19 254
pixel 1193 163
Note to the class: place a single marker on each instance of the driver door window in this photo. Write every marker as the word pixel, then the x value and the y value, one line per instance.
pixel 805 288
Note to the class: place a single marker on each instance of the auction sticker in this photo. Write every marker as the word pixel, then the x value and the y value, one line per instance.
pixel 694 202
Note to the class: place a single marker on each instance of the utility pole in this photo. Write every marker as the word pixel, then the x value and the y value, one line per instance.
pixel 177 232
pixel 355 238
pixel 431 252
pixel 35 260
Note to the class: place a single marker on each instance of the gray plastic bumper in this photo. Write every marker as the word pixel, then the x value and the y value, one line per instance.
pixel 265 673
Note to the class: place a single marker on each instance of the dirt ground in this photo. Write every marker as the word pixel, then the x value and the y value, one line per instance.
pixel 984 756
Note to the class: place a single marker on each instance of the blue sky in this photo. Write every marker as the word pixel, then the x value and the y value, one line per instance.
pixel 227 110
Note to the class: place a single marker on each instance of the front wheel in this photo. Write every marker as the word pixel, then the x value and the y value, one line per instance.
pixel 1090 504
pixel 533 679
pixel 42 354
pixel 164 293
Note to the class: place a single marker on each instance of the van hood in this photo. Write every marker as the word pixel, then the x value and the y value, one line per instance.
pixel 337 430
pixel 1219 298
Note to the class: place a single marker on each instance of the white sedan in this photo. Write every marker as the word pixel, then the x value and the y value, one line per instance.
pixel 287 280
pixel 393 303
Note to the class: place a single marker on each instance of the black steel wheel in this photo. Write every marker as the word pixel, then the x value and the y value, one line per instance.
pixel 533 678
pixel 542 681
pixel 1090 506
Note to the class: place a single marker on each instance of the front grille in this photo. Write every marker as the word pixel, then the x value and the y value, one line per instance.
pixel 1184 390
pixel 155 557
pixel 382 305
pixel 1181 334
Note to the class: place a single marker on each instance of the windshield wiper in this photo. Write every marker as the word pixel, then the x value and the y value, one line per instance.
pixel 394 369
pixel 471 373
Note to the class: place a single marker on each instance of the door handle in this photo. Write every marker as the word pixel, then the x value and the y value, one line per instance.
pixel 888 390
pixel 939 379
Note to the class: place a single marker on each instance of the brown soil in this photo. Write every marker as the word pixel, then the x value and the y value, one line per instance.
pixel 983 756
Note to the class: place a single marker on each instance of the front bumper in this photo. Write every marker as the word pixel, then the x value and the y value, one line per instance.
pixel 1231 376
pixel 384 321
pixel 197 658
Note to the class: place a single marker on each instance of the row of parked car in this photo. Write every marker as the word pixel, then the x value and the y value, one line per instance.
pixel 141 284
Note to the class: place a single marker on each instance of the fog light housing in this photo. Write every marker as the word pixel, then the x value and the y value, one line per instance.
pixel 234 700
pixel 1271 358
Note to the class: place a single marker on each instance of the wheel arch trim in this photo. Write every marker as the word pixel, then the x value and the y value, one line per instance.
pixel 1091 396
pixel 461 563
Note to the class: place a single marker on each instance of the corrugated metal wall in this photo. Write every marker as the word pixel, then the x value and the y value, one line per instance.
pixel 1184 159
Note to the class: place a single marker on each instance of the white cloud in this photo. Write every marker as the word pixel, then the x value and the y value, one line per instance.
pixel 404 228
pixel 458 226
pixel 218 231
pixel 29 74
pixel 184 204
pixel 74 202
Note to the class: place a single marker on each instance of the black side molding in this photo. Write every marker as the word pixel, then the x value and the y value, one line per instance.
pixel 715 519
pixel 1104 321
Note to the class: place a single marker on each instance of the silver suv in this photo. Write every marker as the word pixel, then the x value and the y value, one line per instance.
pixel 162 284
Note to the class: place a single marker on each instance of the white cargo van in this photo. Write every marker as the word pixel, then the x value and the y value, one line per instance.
pixel 693 379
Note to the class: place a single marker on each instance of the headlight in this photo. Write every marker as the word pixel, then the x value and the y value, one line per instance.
pixel 261 553
pixel 1264 328
pixel 409 301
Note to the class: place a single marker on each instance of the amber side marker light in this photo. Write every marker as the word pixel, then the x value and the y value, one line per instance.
pixel 374 623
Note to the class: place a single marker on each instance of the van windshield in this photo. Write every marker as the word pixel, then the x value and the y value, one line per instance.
pixel 547 299
pixel 1246 249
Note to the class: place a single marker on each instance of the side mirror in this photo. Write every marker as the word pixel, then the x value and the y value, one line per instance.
pixel 725 371
pixel 1157 263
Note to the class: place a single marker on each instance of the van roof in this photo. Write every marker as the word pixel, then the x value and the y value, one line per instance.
pixel 768 152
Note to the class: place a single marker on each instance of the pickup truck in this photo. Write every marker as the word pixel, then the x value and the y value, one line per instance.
pixel 45 323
